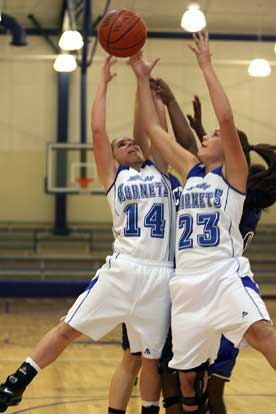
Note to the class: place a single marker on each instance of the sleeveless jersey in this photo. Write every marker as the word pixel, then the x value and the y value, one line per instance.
pixel 143 211
pixel 208 237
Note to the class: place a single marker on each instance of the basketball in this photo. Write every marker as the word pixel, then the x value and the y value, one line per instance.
pixel 122 33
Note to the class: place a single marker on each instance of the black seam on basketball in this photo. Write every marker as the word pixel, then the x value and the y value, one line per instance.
pixel 110 30
pixel 129 47
pixel 129 29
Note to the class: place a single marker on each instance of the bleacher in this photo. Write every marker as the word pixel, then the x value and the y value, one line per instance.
pixel 36 262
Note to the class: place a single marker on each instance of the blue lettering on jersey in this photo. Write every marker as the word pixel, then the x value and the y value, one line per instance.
pixel 141 190
pixel 201 199
pixel 202 186
pixel 139 178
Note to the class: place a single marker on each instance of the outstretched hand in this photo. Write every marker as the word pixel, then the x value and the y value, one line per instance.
pixel 200 47
pixel 140 66
pixel 196 120
pixel 162 89
pixel 107 76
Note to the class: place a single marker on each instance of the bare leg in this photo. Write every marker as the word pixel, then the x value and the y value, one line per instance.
pixel 150 384
pixel 215 391
pixel 187 383
pixel 171 388
pixel 123 380
pixel 262 336
pixel 47 350
pixel 53 343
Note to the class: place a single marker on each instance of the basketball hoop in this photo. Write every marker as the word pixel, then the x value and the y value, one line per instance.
pixel 84 181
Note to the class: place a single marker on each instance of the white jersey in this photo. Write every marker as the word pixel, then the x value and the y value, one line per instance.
pixel 143 213
pixel 208 238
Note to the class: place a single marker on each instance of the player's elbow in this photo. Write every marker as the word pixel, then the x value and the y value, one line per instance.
pixel 151 129
pixel 226 118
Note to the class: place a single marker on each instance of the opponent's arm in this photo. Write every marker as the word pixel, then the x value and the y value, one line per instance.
pixel 182 131
pixel 196 119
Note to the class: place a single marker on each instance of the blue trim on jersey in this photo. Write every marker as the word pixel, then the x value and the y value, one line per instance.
pixel 92 283
pixel 245 284
pixel 120 168
pixel 218 171
pixel 197 170
pixel 226 201
pixel 147 162
pixel 248 282
pixel 175 183
pixel 88 290
pixel 171 206
pixel 231 239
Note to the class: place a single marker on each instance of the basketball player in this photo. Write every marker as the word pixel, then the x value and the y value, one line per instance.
pixel 213 291
pixel 126 372
pixel 133 285
pixel 261 193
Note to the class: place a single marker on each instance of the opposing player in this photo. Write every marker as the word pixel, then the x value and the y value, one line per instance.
pixel 133 285
pixel 213 291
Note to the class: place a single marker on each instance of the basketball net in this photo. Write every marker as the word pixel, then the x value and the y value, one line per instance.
pixel 84 181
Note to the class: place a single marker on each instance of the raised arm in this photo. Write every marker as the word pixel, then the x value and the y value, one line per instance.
pixel 149 150
pixel 106 165
pixel 180 159
pixel 196 119
pixel 235 168
pixel 182 131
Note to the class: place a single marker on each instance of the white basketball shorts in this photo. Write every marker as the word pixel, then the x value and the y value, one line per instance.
pixel 204 308
pixel 127 290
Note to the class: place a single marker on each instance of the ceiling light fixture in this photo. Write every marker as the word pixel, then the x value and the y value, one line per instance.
pixel 65 63
pixel 259 68
pixel 71 40
pixel 193 20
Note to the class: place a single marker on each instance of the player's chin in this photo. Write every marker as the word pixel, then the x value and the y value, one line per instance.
pixel 200 153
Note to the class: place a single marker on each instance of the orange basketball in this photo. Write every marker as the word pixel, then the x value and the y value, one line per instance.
pixel 122 33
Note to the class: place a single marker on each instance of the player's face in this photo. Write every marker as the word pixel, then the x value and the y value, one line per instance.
pixel 211 147
pixel 127 152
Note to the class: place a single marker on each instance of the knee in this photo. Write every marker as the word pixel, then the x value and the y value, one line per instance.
pixel 193 388
pixel 132 362
pixel 66 333
pixel 150 364
pixel 259 334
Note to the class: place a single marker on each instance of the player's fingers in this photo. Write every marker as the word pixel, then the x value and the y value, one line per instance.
pixel 112 61
pixel 154 63
pixel 196 38
pixel 193 48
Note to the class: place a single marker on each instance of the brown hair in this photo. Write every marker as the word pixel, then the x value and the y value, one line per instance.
pixel 261 181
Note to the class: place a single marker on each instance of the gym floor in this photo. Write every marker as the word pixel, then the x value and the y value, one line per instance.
pixel 78 381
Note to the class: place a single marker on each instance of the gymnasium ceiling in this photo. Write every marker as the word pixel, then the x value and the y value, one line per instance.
pixel 223 16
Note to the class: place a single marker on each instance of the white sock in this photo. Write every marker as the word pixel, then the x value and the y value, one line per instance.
pixel 32 363
pixel 149 403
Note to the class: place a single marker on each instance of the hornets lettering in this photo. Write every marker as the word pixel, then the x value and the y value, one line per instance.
pixel 141 190
pixel 201 199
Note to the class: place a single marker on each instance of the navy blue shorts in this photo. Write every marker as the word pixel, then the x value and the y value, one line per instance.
pixel 125 341
pixel 225 362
